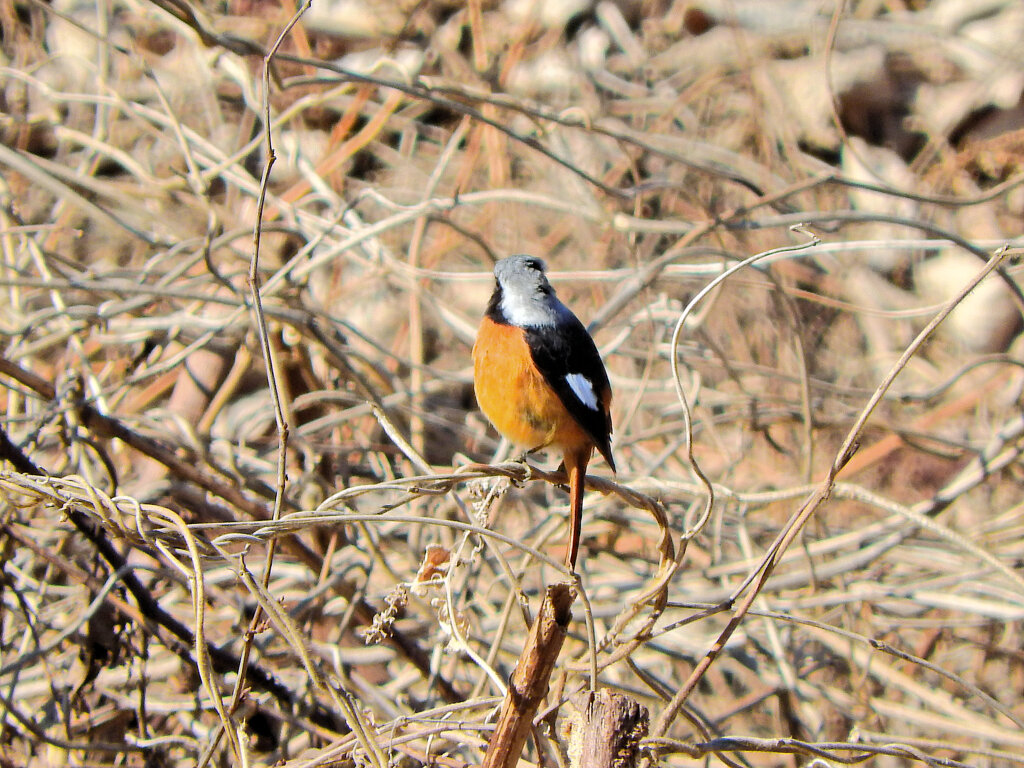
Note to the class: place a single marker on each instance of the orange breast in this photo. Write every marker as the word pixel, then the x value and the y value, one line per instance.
pixel 513 394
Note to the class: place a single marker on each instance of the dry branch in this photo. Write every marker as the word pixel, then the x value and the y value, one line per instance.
pixel 529 683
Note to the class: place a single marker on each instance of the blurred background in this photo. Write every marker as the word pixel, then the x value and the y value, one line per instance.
pixel 641 147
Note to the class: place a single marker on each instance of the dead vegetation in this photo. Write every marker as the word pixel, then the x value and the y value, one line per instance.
pixel 241 532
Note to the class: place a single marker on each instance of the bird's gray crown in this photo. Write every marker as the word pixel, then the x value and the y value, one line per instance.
pixel 527 298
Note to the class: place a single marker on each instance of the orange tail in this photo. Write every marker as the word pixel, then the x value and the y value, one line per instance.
pixel 576 467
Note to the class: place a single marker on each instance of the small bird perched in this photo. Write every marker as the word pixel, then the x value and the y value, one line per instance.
pixel 539 378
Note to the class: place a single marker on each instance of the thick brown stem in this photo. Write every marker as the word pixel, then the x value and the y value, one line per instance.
pixel 529 683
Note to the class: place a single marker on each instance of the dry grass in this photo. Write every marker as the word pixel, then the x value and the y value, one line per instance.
pixel 369 569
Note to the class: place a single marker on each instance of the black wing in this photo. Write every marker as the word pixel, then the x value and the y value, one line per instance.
pixel 564 349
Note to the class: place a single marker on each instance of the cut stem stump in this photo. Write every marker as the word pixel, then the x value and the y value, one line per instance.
pixel 604 729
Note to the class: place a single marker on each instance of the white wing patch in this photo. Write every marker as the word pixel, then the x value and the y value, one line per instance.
pixel 583 389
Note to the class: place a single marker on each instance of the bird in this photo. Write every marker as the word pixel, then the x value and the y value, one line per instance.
pixel 539 378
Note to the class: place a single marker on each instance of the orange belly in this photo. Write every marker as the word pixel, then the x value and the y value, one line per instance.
pixel 513 394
